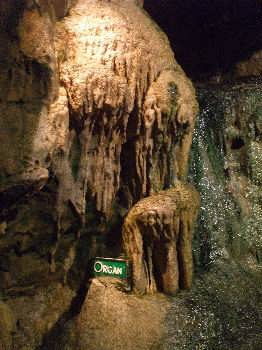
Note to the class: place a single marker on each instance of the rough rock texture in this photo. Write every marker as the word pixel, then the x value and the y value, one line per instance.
pixel 224 308
pixel 7 326
pixel 243 159
pixel 250 67
pixel 110 319
pixel 227 170
pixel 93 117
pixel 61 7
pixel 157 235
pixel 27 83
pixel 121 104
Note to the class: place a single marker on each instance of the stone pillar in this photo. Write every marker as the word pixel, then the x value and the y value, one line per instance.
pixel 157 237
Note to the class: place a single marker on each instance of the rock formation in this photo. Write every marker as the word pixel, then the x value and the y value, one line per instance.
pixel 93 117
pixel 110 319
pixel 7 326
pixel 157 236
pixel 251 66
pixel 128 103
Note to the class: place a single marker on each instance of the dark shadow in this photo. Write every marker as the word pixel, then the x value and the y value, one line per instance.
pixel 51 339
pixel 237 143
pixel 209 36
pixel 159 263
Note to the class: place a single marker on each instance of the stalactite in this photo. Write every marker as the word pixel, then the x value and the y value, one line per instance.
pixel 121 76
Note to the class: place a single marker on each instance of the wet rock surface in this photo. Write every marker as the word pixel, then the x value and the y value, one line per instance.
pixel 227 143
pixel 223 311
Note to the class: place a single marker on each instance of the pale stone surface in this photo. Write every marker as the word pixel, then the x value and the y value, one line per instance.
pixel 127 81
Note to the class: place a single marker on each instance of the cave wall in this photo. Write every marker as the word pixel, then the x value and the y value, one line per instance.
pixel 94 116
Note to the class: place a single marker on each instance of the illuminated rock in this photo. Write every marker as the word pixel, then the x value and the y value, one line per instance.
pixel 127 98
pixel 157 236
pixel 95 114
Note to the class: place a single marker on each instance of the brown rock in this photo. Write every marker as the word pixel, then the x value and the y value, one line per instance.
pixel 28 85
pixel 116 127
pixel 250 67
pixel 157 236
pixel 7 326
pixel 110 319
pixel 32 26
pixel 61 7
pixel 126 95
pixel 37 313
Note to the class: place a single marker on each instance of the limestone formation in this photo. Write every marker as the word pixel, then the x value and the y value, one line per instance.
pixel 157 236
pixel 110 319
pixel 128 99
pixel 93 117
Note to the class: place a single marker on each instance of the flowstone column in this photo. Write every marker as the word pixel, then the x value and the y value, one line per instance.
pixel 157 237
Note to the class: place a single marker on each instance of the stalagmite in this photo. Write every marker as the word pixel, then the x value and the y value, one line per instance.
pixel 157 236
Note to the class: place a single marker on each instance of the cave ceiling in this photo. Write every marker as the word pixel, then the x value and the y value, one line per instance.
pixel 210 35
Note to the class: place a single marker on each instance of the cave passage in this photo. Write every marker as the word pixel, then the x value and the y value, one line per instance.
pixel 209 36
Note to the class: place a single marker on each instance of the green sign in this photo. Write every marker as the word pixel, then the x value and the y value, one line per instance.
pixel 110 267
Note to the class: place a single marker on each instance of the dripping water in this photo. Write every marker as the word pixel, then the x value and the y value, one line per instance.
pixel 223 310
